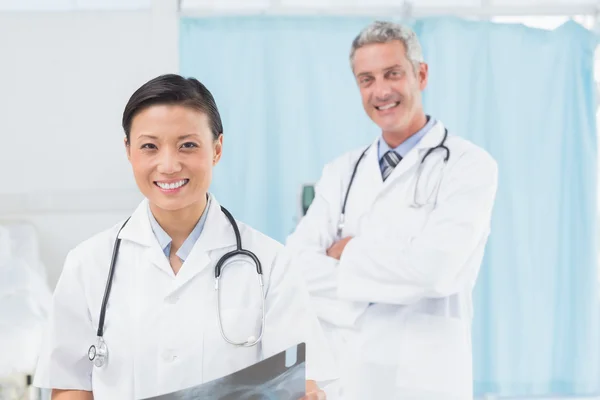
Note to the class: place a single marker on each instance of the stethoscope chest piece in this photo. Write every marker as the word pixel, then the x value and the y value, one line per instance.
pixel 98 353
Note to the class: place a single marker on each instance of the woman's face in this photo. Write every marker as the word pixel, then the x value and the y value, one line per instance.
pixel 172 151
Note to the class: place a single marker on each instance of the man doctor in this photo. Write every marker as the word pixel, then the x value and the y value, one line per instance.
pixel 392 278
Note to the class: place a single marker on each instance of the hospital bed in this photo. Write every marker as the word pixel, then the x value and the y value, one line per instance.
pixel 24 300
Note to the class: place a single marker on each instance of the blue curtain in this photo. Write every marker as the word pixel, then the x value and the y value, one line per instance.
pixel 289 105
pixel 527 96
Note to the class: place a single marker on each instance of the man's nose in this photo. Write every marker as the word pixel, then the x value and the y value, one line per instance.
pixel 382 91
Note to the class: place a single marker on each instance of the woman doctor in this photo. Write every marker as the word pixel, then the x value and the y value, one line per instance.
pixel 161 323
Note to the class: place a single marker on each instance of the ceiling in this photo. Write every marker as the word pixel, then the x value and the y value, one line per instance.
pixel 414 7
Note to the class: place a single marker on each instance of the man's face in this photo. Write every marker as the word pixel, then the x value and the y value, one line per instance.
pixel 389 85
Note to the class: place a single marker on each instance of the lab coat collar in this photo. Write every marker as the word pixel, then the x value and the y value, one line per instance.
pixel 138 228
pixel 217 233
pixel 368 178
pixel 372 162
pixel 431 139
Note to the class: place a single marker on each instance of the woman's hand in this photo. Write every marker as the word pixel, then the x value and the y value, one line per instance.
pixel 72 395
pixel 313 392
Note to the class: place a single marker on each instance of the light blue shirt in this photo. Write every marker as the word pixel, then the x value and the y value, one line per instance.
pixel 405 146
pixel 164 240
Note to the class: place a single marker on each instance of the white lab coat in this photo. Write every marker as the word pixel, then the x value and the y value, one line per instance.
pixel 161 329
pixel 397 306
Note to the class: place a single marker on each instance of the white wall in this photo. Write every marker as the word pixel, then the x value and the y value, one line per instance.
pixel 65 78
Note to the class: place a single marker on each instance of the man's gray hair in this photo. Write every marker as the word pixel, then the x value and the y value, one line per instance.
pixel 384 32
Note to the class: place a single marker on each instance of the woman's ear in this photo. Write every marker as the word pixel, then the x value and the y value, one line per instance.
pixel 218 149
pixel 127 148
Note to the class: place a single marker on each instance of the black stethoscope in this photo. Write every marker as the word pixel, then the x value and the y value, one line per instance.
pixel 441 145
pixel 98 353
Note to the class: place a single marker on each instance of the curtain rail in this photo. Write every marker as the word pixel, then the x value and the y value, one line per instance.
pixel 401 11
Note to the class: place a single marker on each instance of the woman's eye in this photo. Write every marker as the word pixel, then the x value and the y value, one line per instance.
pixel 189 145
pixel 148 146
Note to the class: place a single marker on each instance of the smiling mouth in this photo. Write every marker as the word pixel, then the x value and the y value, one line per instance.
pixel 387 106
pixel 172 185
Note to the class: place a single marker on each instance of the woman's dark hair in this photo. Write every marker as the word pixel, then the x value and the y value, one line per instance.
pixel 173 89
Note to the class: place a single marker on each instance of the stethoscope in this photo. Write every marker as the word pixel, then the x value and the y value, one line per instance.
pixel 98 353
pixel 441 145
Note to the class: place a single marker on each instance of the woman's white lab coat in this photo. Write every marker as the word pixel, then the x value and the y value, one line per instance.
pixel 397 305
pixel 161 329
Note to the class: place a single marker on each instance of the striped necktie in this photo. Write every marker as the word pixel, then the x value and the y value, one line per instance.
pixel 390 160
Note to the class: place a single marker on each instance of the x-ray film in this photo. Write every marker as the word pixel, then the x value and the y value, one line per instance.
pixel 280 377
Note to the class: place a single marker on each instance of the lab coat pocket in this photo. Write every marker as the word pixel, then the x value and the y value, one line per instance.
pixel 222 358
pixel 435 356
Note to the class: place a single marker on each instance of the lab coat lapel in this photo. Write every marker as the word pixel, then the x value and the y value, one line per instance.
pixel 367 182
pixel 431 139
pixel 217 234
pixel 139 231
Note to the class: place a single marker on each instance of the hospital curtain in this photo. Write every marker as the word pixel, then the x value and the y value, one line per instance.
pixel 527 96
pixel 289 105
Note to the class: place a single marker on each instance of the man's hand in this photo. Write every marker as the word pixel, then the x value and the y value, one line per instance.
pixel 313 392
pixel 336 249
